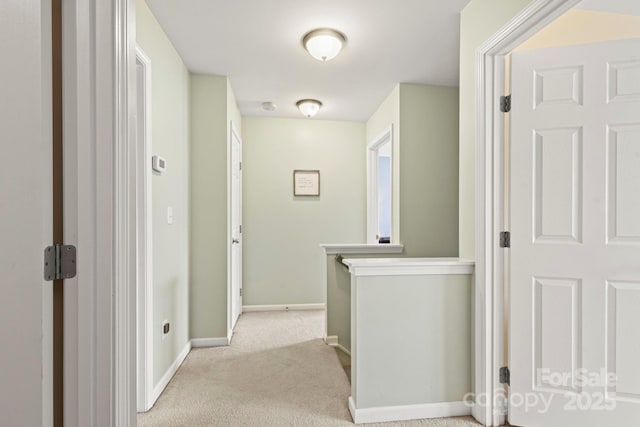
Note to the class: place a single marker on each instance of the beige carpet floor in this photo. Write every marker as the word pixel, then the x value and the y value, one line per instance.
pixel 277 372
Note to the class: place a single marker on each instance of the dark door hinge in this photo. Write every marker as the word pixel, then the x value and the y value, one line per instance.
pixel 505 103
pixel 505 239
pixel 505 375
pixel 59 262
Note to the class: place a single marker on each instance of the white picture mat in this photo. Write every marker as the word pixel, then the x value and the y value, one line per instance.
pixel 306 182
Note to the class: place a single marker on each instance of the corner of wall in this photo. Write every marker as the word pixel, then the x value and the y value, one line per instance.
pixel 429 169
pixel 479 20
pixel 170 138
pixel 209 230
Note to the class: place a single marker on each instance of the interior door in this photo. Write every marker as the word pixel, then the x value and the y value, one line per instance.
pixel 236 226
pixel 26 213
pixel 575 236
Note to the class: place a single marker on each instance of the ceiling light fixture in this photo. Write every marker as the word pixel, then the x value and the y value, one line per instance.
pixel 324 43
pixel 309 107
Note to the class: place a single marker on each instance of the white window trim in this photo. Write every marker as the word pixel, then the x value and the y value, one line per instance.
pixel 489 309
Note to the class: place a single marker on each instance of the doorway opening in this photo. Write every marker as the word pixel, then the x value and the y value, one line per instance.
pixel 495 204
pixel 380 188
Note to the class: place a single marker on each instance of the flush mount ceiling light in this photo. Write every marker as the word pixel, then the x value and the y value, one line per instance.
pixel 324 43
pixel 309 107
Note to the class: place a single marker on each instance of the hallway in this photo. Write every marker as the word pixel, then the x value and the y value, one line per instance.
pixel 277 372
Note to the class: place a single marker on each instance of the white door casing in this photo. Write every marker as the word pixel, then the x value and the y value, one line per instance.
pixel 575 235
pixel 26 358
pixel 236 227
pixel 144 238
pixel 99 100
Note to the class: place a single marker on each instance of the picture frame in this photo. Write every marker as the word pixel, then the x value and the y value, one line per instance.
pixel 306 183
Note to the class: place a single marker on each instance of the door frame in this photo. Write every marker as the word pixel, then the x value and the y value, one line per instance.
pixel 99 95
pixel 232 132
pixel 144 238
pixel 489 309
pixel 372 184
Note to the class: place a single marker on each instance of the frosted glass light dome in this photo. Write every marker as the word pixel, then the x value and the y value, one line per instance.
pixel 309 107
pixel 324 44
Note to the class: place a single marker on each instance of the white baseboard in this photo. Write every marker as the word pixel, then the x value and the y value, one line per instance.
pixel 209 342
pixel 343 349
pixel 408 412
pixel 332 340
pixel 164 381
pixel 282 307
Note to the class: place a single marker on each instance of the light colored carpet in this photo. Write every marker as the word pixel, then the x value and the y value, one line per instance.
pixel 277 372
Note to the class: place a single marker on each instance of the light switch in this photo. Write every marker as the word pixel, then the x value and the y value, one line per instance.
pixel 169 215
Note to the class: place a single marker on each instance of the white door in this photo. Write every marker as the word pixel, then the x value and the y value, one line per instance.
pixel 26 213
pixel 575 236
pixel 236 226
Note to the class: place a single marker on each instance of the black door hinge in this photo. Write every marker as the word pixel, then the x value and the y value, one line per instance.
pixel 59 262
pixel 505 239
pixel 505 375
pixel 505 103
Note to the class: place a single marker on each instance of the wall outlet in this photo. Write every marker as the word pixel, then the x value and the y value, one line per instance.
pixel 169 215
pixel 166 326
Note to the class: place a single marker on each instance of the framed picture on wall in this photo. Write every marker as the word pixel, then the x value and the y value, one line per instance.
pixel 306 182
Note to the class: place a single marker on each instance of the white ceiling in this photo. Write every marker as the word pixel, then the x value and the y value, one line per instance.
pixel 257 44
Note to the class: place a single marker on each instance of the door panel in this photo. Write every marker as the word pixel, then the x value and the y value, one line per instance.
pixel 574 268
pixel 623 154
pixel 26 209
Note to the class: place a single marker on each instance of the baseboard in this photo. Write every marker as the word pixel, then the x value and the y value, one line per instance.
pixel 209 342
pixel 164 381
pixel 478 412
pixel 339 346
pixel 332 340
pixel 408 412
pixel 282 307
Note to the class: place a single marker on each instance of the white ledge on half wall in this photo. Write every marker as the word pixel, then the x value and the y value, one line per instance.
pixel 407 266
pixel 362 248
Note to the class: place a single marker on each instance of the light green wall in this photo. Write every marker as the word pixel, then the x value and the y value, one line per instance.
pixel 233 113
pixel 169 139
pixel 388 114
pixel 429 170
pixel 479 20
pixel 425 121
pixel 413 340
pixel 339 297
pixel 208 315
pixel 425 166
pixel 281 233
